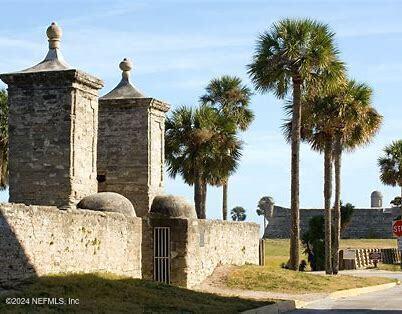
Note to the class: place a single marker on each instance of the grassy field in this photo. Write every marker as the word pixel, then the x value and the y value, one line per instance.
pixel 277 250
pixel 110 294
pixel 273 278
pixel 390 267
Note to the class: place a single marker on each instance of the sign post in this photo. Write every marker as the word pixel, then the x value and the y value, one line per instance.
pixel 397 231
pixel 375 257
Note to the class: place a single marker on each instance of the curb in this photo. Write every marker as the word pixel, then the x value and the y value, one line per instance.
pixel 349 293
pixel 358 291
pixel 277 307
pixel 283 306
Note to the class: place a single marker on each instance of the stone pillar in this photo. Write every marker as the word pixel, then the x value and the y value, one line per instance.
pixel 53 121
pixel 131 143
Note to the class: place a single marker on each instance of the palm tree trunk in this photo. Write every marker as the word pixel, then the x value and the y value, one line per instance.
pixel 327 203
pixel 225 200
pixel 2 161
pixel 337 212
pixel 400 212
pixel 203 199
pixel 198 196
pixel 294 197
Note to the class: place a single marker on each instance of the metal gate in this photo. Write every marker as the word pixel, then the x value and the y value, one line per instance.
pixel 162 254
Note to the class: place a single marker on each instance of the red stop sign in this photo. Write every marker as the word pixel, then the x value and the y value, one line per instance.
pixel 397 228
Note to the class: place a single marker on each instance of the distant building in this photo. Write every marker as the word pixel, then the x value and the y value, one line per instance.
pixel 374 222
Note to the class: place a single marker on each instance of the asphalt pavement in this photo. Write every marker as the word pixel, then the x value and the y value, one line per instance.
pixel 388 301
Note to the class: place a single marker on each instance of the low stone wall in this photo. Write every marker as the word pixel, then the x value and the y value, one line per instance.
pixel 39 240
pixel 365 223
pixel 199 246
pixel 213 242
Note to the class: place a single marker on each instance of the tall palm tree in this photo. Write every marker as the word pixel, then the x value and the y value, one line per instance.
pixel 231 99
pixel 292 56
pixel 391 165
pixel 238 214
pixel 196 144
pixel 3 140
pixel 317 131
pixel 333 121
pixel 356 124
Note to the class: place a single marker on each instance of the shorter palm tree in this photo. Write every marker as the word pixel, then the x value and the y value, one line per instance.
pixel 238 213
pixel 230 98
pixel 3 140
pixel 200 145
pixel 391 165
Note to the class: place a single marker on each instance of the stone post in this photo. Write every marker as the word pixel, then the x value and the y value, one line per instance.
pixel 131 143
pixel 53 122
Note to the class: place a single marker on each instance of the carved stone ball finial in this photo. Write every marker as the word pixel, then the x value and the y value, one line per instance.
pixel 54 33
pixel 126 65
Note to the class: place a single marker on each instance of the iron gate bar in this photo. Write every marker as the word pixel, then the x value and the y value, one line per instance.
pixel 162 254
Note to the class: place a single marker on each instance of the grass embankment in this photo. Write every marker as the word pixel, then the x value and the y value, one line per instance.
pixel 273 278
pixel 111 294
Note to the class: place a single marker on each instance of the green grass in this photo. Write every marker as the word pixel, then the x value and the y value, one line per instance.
pixel 277 250
pixel 368 243
pixel 287 281
pixel 104 293
pixel 390 267
pixel 272 277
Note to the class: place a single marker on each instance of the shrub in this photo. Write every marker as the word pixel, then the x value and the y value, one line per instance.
pixel 313 239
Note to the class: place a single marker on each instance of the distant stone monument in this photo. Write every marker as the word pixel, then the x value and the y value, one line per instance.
pixel 131 143
pixel 376 199
pixel 53 122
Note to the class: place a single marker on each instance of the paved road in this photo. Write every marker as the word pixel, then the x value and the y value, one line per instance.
pixel 387 301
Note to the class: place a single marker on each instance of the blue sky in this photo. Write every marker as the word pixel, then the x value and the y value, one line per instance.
pixel 178 46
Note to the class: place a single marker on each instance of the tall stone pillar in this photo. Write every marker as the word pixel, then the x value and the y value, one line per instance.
pixel 131 143
pixel 53 121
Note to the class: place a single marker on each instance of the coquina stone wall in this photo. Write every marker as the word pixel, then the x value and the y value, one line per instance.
pixel 365 222
pixel 39 240
pixel 199 246
pixel 213 242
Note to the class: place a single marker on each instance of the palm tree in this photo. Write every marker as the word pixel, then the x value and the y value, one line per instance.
pixel 391 166
pixel 238 213
pixel 317 131
pixel 230 98
pixel 3 140
pixel 295 55
pixel 356 124
pixel 196 145
pixel 331 122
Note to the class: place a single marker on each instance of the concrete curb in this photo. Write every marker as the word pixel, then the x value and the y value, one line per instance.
pixel 283 306
pixel 277 307
pixel 349 293
pixel 358 291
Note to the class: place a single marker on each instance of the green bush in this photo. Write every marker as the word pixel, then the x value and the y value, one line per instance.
pixel 313 239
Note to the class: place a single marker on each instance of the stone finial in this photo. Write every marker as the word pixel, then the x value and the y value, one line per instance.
pixel 124 89
pixel 54 33
pixel 126 65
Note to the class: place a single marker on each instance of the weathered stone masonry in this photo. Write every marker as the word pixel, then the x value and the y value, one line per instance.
pixel 199 246
pixel 39 240
pixel 365 222
pixel 131 143
pixel 53 123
